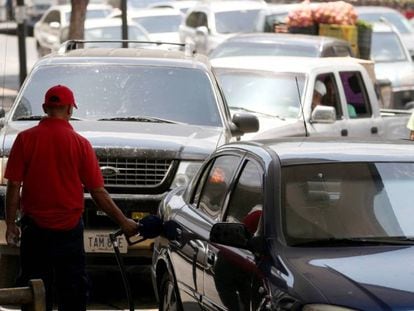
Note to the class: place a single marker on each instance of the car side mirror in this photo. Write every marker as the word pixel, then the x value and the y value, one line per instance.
pixel 54 25
pixel 323 114
pixel 230 234
pixel 244 123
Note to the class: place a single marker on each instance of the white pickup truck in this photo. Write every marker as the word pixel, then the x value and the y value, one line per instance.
pixel 279 90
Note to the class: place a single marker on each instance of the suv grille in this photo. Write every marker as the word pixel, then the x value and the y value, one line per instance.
pixel 135 172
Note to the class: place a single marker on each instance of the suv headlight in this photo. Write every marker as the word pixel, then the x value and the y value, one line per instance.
pixel 321 307
pixel 185 172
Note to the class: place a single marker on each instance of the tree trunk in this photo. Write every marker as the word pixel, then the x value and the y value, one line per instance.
pixel 77 19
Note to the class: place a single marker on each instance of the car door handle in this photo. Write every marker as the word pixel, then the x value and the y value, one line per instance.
pixel 211 258
pixel 344 132
pixel 374 130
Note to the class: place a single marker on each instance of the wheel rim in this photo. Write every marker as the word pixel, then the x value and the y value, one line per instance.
pixel 170 297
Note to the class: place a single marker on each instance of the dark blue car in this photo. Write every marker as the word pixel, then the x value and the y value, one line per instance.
pixel 298 224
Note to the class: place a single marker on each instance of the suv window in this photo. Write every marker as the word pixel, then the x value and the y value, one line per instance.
pixel 331 98
pixel 110 91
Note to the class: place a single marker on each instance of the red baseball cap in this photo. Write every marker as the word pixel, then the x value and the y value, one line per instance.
pixel 59 95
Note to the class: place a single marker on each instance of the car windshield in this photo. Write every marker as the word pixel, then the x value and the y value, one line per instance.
pixel 325 204
pixel 260 49
pixel 255 91
pixel 112 33
pixel 386 47
pixel 91 14
pixel 236 21
pixel 398 20
pixel 121 91
pixel 162 23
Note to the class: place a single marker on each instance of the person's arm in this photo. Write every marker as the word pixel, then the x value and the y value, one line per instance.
pixel 12 205
pixel 106 204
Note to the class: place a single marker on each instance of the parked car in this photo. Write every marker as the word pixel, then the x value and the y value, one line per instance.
pixel 277 44
pixel 52 29
pixel 279 91
pixel 152 116
pixel 377 13
pixel 208 23
pixel 295 224
pixel 161 23
pixel 393 62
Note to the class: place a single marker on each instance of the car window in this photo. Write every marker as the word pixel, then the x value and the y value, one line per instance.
pixel 395 18
pixel 106 91
pixel 331 98
pixel 358 104
pixel 196 19
pixel 387 47
pixel 246 201
pixel 348 200
pixel 161 23
pixel 215 187
pixel 236 21
pixel 52 16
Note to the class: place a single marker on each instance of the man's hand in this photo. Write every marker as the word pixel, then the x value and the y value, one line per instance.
pixel 129 227
pixel 13 235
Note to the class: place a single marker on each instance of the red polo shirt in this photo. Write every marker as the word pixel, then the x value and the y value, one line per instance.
pixel 54 163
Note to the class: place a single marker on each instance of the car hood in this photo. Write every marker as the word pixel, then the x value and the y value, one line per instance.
pixel 399 73
pixel 131 139
pixel 364 278
pixel 272 127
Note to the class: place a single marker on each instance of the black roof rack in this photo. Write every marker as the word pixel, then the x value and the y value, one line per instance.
pixel 76 44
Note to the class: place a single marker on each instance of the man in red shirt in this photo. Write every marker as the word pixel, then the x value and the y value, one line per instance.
pixel 51 164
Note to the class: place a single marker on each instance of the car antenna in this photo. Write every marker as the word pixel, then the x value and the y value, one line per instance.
pixel 301 107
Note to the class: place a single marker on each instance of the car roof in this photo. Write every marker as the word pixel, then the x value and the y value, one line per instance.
pixel 294 151
pixel 294 39
pixel 374 9
pixel 233 5
pixel 127 56
pixel 153 12
pixel 284 63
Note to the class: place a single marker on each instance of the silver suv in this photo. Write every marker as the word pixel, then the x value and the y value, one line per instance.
pixel 151 115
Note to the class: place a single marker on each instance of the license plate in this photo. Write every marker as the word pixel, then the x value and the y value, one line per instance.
pixel 99 242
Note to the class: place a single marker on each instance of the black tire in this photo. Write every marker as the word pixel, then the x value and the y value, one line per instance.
pixel 169 298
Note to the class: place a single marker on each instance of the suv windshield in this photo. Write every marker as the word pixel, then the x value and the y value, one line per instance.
pixel 387 47
pixel 109 91
pixel 352 202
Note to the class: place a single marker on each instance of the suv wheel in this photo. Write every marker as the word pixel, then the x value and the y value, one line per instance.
pixel 169 294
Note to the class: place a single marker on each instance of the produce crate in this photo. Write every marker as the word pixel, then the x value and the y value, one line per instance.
pixel 307 30
pixel 345 32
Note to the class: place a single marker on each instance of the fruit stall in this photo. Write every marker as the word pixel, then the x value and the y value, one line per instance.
pixel 336 19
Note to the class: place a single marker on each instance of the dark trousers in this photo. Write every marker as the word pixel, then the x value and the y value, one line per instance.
pixel 58 258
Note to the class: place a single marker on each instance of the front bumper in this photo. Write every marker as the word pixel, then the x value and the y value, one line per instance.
pixel 133 206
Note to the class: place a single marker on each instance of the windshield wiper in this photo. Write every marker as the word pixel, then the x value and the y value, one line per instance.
pixel 40 117
pixel 357 241
pixel 139 119
pixel 253 111
pixel 29 118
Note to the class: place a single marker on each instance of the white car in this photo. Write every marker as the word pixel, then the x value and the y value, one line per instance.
pixel 161 23
pixel 209 23
pixel 52 29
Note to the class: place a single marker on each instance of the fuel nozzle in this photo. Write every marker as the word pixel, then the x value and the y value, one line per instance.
pixel 149 227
